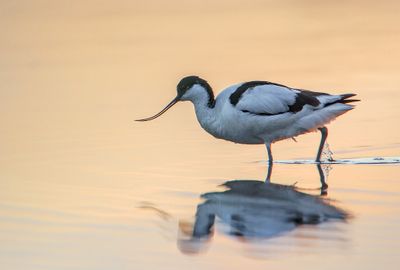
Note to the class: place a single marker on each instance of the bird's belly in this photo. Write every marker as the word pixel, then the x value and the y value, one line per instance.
pixel 240 137
pixel 237 131
pixel 257 129
pixel 246 128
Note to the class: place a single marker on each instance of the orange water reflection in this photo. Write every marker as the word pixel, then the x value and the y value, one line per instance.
pixel 254 210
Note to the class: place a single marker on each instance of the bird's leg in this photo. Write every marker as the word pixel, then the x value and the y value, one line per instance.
pixel 268 179
pixel 324 135
pixel 270 162
pixel 270 159
pixel 322 178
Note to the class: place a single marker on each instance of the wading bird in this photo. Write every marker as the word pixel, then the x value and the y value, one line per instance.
pixel 260 112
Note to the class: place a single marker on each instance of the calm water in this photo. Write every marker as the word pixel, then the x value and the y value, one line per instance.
pixel 83 186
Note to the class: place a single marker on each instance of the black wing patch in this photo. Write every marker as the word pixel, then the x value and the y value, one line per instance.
pixel 301 100
pixel 235 96
pixel 312 93
pixel 304 98
pixel 264 113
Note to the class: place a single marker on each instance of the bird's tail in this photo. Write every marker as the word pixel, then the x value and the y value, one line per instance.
pixel 346 98
pixel 331 107
pixel 335 99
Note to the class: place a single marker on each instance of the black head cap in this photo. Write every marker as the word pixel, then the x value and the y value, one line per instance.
pixel 183 86
pixel 187 82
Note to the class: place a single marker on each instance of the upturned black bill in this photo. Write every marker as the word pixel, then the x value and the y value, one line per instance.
pixel 172 103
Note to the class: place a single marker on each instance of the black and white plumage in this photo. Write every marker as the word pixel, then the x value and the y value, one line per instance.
pixel 260 112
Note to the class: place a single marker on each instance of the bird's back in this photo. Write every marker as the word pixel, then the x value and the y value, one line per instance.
pixel 255 112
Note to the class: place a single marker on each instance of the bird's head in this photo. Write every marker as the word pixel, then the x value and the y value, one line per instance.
pixel 189 88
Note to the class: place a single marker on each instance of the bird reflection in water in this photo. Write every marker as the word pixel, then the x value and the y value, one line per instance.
pixel 251 209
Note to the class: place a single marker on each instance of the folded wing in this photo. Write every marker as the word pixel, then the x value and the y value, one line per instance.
pixel 265 98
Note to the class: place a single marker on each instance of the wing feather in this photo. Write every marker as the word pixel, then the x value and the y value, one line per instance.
pixel 267 99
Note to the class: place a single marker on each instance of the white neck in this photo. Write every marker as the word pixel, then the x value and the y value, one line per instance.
pixel 204 112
